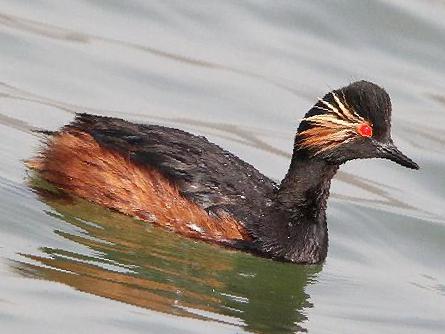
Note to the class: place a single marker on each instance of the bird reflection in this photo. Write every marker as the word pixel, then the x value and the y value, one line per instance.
pixel 133 262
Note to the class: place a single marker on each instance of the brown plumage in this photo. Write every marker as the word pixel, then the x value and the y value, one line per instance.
pixel 74 161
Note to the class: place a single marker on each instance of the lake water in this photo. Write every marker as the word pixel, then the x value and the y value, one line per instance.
pixel 242 73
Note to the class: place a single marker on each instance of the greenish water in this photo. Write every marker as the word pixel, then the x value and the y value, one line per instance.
pixel 242 73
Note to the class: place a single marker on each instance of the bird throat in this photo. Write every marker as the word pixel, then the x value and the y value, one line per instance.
pixel 294 227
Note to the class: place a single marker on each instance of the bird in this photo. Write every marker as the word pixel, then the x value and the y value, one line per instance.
pixel 191 186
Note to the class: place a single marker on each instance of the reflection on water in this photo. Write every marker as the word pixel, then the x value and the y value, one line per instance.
pixel 145 266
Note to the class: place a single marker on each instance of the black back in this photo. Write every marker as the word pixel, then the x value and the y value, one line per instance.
pixel 205 173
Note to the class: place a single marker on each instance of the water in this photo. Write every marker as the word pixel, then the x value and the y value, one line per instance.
pixel 243 74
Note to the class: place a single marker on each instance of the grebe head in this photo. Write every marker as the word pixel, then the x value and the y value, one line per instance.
pixel 353 122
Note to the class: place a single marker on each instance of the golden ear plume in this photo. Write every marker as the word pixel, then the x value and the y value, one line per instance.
pixel 331 129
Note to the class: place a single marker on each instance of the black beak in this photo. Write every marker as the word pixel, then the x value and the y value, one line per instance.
pixel 391 152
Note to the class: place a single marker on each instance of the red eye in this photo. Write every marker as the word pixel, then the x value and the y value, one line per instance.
pixel 364 130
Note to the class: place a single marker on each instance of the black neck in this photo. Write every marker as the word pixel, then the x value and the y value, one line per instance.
pixel 294 227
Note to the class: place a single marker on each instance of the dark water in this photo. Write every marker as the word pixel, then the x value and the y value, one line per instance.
pixel 242 73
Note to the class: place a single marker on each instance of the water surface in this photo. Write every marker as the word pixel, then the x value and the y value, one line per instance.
pixel 242 73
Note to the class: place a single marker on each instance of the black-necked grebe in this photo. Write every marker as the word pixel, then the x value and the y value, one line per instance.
pixel 188 185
